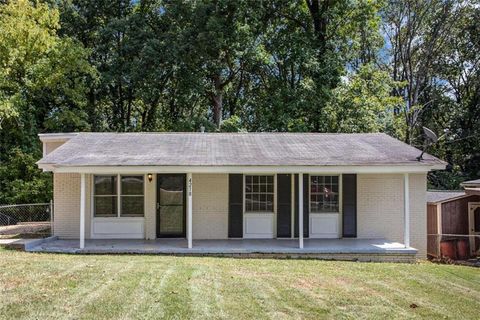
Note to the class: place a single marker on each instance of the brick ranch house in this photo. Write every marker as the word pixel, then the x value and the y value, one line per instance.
pixel 327 195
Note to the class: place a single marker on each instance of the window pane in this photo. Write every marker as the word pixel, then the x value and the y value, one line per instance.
pixel 132 185
pixel 132 206
pixel 259 193
pixel 255 202
pixel 105 206
pixel 270 200
pixel 324 194
pixel 248 202
pixel 335 188
pixel 105 185
pixel 270 188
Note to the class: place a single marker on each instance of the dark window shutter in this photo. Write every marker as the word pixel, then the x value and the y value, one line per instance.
pixel 349 197
pixel 235 206
pixel 306 206
pixel 284 203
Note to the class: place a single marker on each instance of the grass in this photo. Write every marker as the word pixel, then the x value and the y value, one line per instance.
pixel 52 286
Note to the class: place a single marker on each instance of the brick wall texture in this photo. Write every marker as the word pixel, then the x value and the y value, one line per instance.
pixel 379 207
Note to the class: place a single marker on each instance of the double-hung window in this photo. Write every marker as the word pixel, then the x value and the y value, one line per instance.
pixel 324 194
pixel 259 193
pixel 118 196
pixel 131 198
pixel 105 201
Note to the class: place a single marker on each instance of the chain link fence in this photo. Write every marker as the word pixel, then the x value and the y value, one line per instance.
pixel 26 220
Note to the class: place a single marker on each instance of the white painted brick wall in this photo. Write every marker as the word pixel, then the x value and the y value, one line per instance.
pixel 380 208
pixel 66 197
pixel 210 206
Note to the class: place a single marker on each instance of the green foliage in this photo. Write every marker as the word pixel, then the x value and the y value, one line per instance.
pixel 240 65
pixel 21 181
pixel 363 103
pixel 232 124
pixel 42 88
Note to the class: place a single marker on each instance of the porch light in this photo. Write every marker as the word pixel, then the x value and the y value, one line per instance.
pixel 150 177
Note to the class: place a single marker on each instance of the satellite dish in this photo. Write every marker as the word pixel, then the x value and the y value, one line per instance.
pixel 430 139
pixel 430 135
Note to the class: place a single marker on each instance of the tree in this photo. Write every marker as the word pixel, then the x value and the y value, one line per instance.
pixel 42 88
pixel 416 31
pixel 456 100
pixel 363 103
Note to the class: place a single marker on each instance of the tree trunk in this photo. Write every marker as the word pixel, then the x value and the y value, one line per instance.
pixel 318 12
pixel 217 100
pixel 92 101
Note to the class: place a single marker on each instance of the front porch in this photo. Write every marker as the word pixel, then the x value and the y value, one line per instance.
pixel 341 249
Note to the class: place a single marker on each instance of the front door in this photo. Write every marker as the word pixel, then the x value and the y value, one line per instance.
pixel 474 226
pixel 171 205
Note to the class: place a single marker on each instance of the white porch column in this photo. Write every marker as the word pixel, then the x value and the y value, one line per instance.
pixel 292 207
pixel 189 209
pixel 300 210
pixel 82 210
pixel 406 208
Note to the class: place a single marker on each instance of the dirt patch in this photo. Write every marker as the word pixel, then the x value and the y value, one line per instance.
pixel 26 230
pixel 473 262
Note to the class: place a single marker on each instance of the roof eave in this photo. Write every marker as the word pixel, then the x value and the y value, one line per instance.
pixel 242 169
pixel 472 191
pixel 57 137
pixel 449 199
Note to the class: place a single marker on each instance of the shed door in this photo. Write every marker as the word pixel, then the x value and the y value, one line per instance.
pixel 474 226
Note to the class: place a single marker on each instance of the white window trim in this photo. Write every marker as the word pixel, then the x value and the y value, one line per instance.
pixel 118 195
pixel 274 194
pixel 273 214
pixel 338 214
pixel 339 193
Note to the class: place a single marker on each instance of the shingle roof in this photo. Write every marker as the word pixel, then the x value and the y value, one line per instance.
pixel 471 183
pixel 234 149
pixel 435 196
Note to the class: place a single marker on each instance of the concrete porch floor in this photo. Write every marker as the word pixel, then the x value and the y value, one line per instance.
pixel 231 247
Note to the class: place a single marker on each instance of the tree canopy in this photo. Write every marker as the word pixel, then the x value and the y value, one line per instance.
pixel 238 65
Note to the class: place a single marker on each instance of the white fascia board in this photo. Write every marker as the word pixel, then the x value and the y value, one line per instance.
pixel 242 169
pixel 56 137
pixel 46 167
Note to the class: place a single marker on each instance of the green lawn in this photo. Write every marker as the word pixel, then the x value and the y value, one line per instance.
pixel 50 286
